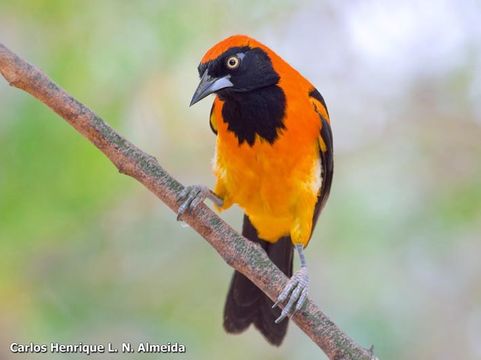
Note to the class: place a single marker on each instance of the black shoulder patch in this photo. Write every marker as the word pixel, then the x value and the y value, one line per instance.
pixel 317 95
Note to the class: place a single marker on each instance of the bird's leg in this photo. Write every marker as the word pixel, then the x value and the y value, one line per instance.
pixel 296 289
pixel 193 195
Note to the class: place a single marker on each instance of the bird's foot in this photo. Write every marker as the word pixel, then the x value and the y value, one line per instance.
pixel 192 196
pixel 296 290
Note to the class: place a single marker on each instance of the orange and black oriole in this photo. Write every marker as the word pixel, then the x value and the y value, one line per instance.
pixel 274 158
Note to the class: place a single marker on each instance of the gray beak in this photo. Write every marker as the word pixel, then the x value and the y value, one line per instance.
pixel 209 85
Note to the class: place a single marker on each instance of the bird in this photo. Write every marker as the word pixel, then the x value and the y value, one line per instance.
pixel 273 159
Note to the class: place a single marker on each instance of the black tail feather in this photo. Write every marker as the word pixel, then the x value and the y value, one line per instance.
pixel 246 304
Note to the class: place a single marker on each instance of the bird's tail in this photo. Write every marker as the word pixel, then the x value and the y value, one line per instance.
pixel 246 304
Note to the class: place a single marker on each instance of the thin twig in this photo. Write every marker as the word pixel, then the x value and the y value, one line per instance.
pixel 238 252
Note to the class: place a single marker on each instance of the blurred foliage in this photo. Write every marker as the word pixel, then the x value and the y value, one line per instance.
pixel 88 255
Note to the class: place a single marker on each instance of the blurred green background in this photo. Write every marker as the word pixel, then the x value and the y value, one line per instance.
pixel 87 254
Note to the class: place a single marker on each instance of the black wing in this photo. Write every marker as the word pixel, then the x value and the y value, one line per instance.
pixel 325 152
pixel 212 120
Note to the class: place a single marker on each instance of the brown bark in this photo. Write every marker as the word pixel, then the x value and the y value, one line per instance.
pixel 238 252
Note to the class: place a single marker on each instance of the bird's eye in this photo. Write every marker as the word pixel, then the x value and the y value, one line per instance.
pixel 233 62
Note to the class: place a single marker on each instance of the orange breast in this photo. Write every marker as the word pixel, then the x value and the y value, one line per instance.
pixel 276 184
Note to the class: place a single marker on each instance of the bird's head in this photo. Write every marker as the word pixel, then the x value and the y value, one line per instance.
pixel 235 65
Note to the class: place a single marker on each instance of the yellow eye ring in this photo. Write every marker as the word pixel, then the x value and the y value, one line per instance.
pixel 232 62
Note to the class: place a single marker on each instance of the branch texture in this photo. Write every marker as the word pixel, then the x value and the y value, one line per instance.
pixel 238 252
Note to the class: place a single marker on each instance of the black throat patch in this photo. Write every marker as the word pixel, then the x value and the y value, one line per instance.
pixel 259 112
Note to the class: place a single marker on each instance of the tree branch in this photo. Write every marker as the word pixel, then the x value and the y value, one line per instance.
pixel 238 252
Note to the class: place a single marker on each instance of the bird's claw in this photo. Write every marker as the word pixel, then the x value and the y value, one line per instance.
pixel 296 290
pixel 191 197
